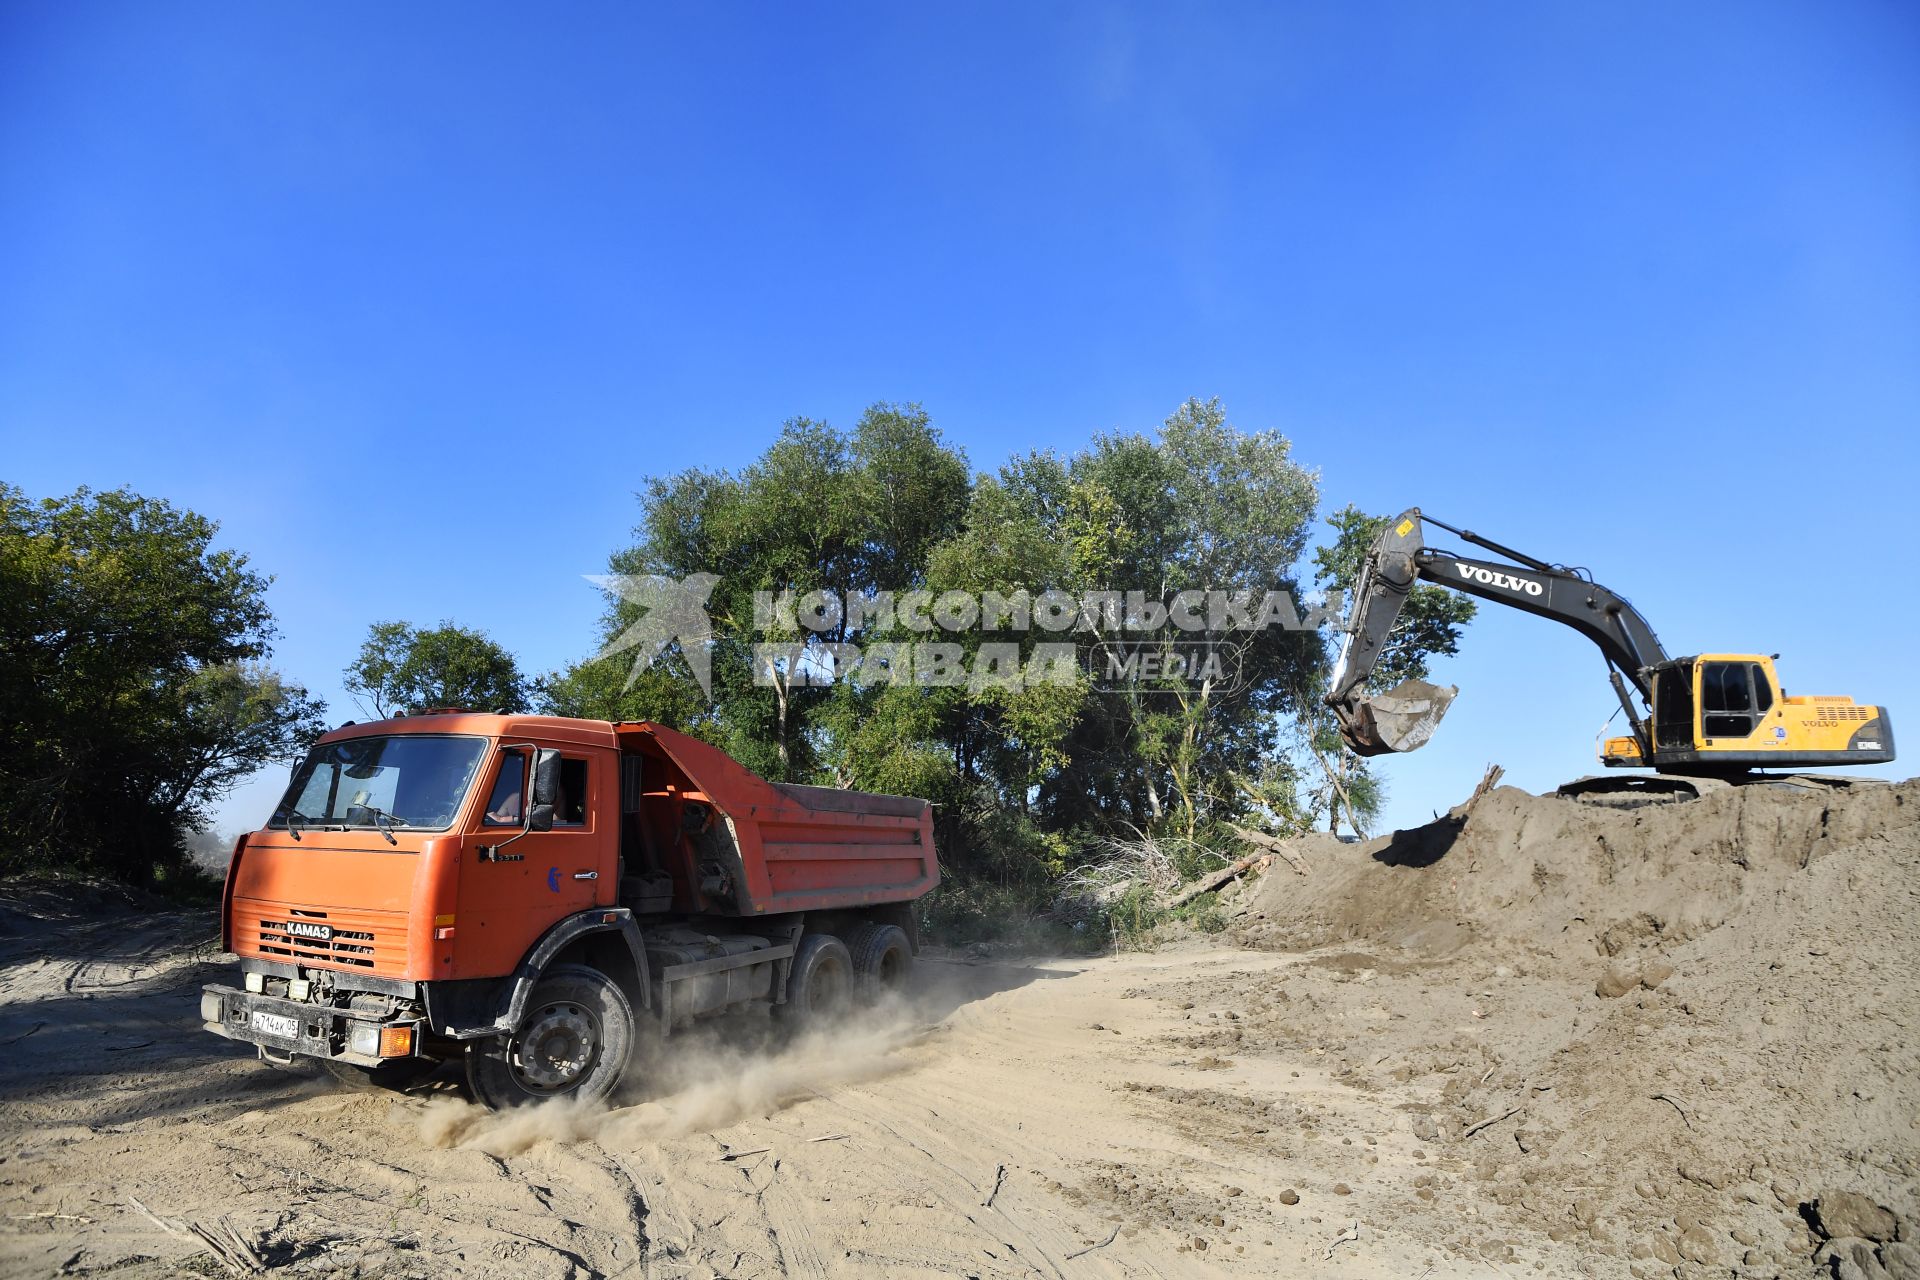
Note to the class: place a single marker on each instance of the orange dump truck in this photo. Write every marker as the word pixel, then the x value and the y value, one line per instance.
pixel 528 894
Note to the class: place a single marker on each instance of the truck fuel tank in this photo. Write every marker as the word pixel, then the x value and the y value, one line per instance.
pixel 696 973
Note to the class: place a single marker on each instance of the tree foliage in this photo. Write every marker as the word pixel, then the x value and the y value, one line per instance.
pixel 1027 777
pixel 401 669
pixel 1024 774
pixel 821 508
pixel 135 691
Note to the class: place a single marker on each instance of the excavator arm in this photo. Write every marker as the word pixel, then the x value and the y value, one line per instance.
pixel 1404 717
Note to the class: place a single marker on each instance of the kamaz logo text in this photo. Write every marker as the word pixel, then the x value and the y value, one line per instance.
pixel 308 929
pixel 1492 579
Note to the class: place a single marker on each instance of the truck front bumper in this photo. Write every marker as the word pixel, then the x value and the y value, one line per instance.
pixel 283 1028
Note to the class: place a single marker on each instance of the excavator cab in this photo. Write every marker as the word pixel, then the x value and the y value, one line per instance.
pixel 1726 713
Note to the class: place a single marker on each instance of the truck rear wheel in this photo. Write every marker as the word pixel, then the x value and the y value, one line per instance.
pixel 882 959
pixel 821 985
pixel 573 1042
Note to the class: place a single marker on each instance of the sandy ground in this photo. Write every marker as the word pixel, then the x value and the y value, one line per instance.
pixel 1534 1040
pixel 1118 1143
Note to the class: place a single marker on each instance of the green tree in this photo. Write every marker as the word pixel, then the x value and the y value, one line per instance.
pixel 1199 506
pixel 135 691
pixel 402 669
pixel 1022 774
pixel 1208 507
pixel 822 508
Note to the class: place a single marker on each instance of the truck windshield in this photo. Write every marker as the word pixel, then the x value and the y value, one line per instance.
pixel 405 781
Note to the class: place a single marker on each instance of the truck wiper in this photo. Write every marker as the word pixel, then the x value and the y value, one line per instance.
pixel 384 822
pixel 291 829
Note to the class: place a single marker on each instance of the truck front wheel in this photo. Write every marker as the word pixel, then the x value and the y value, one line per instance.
pixel 573 1042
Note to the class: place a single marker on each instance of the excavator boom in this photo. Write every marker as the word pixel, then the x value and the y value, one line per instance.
pixel 1404 717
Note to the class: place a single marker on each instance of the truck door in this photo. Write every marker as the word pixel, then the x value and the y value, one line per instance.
pixel 514 883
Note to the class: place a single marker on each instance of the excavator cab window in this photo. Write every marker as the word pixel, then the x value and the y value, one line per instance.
pixel 1673 708
pixel 1727 706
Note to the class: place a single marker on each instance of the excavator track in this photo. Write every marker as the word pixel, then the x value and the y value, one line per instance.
pixel 1630 791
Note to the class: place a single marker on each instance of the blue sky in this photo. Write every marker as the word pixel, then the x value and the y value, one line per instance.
pixel 412 298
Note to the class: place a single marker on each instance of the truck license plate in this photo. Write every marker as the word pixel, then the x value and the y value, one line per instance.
pixel 277 1024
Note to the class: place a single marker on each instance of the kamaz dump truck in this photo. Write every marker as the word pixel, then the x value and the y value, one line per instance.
pixel 528 894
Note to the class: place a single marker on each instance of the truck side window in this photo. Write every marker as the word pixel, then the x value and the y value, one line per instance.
pixel 503 804
pixel 1726 700
pixel 1762 691
pixel 570 806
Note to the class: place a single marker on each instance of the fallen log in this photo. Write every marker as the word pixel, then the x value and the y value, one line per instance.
pixel 1208 883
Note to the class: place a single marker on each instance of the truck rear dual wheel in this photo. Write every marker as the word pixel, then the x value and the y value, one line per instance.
pixel 573 1042
pixel 820 985
pixel 882 960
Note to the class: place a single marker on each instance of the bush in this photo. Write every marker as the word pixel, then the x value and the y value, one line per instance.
pixel 1015 917
pixel 1135 916
pixel 1204 913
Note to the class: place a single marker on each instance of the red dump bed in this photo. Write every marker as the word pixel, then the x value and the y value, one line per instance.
pixel 695 812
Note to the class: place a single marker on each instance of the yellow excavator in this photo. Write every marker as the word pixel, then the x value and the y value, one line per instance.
pixel 1712 715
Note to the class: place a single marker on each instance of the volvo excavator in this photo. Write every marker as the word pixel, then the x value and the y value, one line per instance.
pixel 1708 716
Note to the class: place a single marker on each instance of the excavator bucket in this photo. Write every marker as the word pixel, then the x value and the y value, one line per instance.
pixel 1401 719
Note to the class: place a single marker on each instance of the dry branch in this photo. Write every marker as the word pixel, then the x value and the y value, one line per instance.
pixel 1487 782
pixel 1274 845
pixel 1490 1120
pixel 229 1247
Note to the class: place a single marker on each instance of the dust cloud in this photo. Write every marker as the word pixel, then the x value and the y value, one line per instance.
pixel 699 1079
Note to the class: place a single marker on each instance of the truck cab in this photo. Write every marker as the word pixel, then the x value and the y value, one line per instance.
pixel 528 894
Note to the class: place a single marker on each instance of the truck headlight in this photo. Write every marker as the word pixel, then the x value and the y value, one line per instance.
pixel 212 1007
pixel 364 1039
pixel 256 982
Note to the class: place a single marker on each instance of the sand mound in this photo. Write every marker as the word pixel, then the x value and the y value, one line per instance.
pixel 1547 873
pixel 1740 971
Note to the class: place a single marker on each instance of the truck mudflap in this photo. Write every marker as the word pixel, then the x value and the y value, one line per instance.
pixel 283 1029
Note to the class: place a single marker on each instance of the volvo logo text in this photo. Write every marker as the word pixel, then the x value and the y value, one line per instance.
pixel 1492 579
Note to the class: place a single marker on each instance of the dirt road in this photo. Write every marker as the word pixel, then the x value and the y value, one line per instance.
pixel 1053 1118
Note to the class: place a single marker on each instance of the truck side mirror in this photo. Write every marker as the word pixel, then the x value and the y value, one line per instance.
pixel 546 776
pixel 538 807
pixel 546 789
